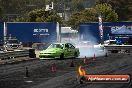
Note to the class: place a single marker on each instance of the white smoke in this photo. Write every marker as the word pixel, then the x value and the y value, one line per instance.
pixel 91 49
pixel 87 48
pixel 90 52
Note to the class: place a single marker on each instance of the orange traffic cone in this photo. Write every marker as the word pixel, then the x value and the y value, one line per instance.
pixel 94 58
pixel 85 60
pixel 53 68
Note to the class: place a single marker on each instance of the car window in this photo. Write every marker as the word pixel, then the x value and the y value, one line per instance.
pixel 56 46
pixel 71 46
pixel 66 46
pixel 13 41
pixel 62 46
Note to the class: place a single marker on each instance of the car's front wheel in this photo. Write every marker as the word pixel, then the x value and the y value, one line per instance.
pixel 62 56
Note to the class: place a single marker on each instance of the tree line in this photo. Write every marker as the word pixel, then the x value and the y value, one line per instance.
pixel 34 11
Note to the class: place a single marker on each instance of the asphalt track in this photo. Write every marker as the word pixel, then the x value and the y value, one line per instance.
pixel 41 75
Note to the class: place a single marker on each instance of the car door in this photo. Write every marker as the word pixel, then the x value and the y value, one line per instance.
pixel 67 52
pixel 71 49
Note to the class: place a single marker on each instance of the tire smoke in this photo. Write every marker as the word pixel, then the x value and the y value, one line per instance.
pixel 88 47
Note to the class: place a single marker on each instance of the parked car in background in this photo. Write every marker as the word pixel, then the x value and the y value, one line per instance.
pixel 110 42
pixel 12 43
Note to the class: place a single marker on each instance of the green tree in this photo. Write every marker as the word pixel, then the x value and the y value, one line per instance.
pixel 74 20
pixel 101 1
pixel 108 14
pixel 1 12
pixel 20 6
pixel 123 8
pixel 91 15
pixel 88 15
pixel 77 5
pixel 40 15
pixel 13 8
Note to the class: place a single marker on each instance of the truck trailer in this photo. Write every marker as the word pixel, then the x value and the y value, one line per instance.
pixel 111 30
pixel 34 32
pixel 120 33
pixel 1 34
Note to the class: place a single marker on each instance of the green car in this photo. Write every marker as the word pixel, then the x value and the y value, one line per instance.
pixel 59 50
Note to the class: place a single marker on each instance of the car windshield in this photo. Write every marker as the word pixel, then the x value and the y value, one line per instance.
pixel 56 46
pixel 13 41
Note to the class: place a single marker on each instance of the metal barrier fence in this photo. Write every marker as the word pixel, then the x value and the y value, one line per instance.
pixel 14 54
pixel 117 48
pixel 19 53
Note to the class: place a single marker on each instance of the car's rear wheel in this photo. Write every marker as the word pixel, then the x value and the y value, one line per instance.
pixel 75 55
pixel 62 56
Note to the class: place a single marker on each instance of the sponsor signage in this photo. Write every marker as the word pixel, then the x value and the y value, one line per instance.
pixel 121 29
pixel 40 32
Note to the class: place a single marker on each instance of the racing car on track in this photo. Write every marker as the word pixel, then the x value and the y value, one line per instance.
pixel 59 50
